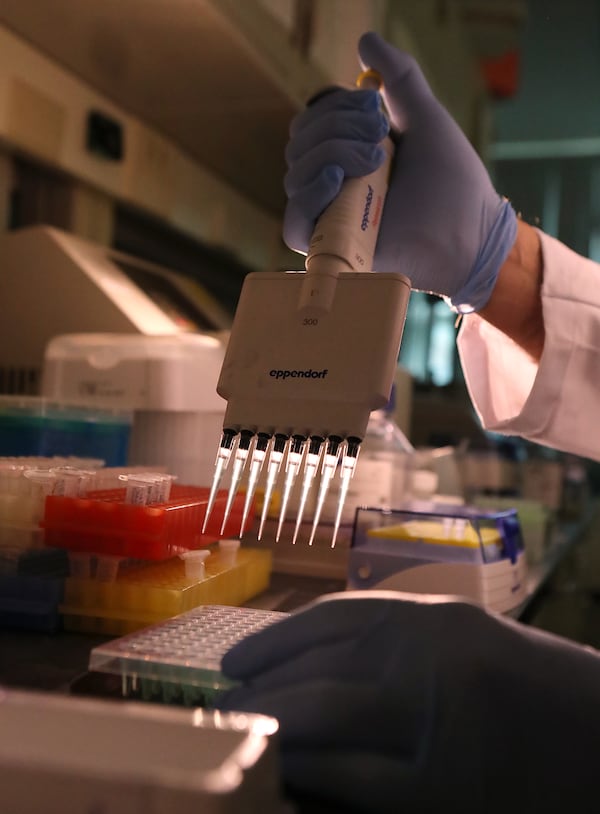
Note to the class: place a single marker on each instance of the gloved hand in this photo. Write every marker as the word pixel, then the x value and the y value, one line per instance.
pixel 444 226
pixel 397 703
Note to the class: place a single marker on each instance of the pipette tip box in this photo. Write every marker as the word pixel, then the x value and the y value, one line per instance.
pixel 179 661
pixel 33 425
pixel 459 550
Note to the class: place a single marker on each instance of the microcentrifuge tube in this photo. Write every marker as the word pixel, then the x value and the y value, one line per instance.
pixel 311 466
pixel 292 467
pixel 256 461
pixel 348 466
pixel 138 488
pixel 275 458
pixel 330 460
pixel 223 457
pixel 68 480
pixel 241 456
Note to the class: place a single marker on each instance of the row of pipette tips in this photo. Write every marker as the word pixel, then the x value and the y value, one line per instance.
pixel 315 452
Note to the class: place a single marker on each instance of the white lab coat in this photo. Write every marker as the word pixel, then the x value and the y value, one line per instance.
pixel 556 403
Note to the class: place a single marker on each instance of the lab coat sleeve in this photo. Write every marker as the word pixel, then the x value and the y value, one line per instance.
pixel 555 402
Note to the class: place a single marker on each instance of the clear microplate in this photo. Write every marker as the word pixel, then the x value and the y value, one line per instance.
pixel 179 661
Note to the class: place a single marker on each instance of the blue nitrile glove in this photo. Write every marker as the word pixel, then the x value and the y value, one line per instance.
pixel 444 226
pixel 391 702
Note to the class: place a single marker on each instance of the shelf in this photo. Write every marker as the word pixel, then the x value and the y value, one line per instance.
pixel 219 78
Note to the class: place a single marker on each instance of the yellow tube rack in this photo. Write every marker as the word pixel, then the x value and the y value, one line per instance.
pixel 143 594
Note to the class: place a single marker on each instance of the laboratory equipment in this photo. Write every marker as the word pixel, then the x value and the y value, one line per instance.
pixel 78 755
pixel 384 475
pixel 181 658
pixel 312 353
pixel 33 425
pixel 32 575
pixel 168 382
pixel 106 523
pixel 70 285
pixel 102 291
pixel 142 594
pixel 462 550
pixel 31 602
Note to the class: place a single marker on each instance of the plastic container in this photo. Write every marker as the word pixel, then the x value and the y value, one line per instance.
pixel 74 755
pixel 382 473
pixel 31 425
pixel 143 594
pixel 104 523
pixel 169 382
pixel 461 550
pixel 184 653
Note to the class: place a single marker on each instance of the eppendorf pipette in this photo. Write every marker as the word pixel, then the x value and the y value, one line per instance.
pixel 312 353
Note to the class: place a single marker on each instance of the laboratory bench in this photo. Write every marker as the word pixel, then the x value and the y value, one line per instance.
pixel 59 661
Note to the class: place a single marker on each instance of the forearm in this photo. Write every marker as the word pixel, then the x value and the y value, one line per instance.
pixel 515 307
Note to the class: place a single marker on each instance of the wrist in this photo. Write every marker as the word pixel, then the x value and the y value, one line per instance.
pixel 515 305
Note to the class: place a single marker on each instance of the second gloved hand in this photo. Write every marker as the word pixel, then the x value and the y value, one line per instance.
pixel 444 226
pixel 392 703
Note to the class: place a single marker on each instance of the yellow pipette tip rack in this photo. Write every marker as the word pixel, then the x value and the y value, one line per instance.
pixel 461 534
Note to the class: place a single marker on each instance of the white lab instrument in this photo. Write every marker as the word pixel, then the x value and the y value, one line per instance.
pixel 312 353
pixel 78 755
pixel 169 382
pixel 461 550
pixel 55 283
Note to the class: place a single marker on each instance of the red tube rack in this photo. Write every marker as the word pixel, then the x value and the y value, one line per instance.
pixel 103 523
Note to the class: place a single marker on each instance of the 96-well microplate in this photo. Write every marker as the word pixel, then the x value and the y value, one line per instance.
pixel 179 661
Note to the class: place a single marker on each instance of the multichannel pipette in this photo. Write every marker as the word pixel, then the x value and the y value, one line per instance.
pixel 308 374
